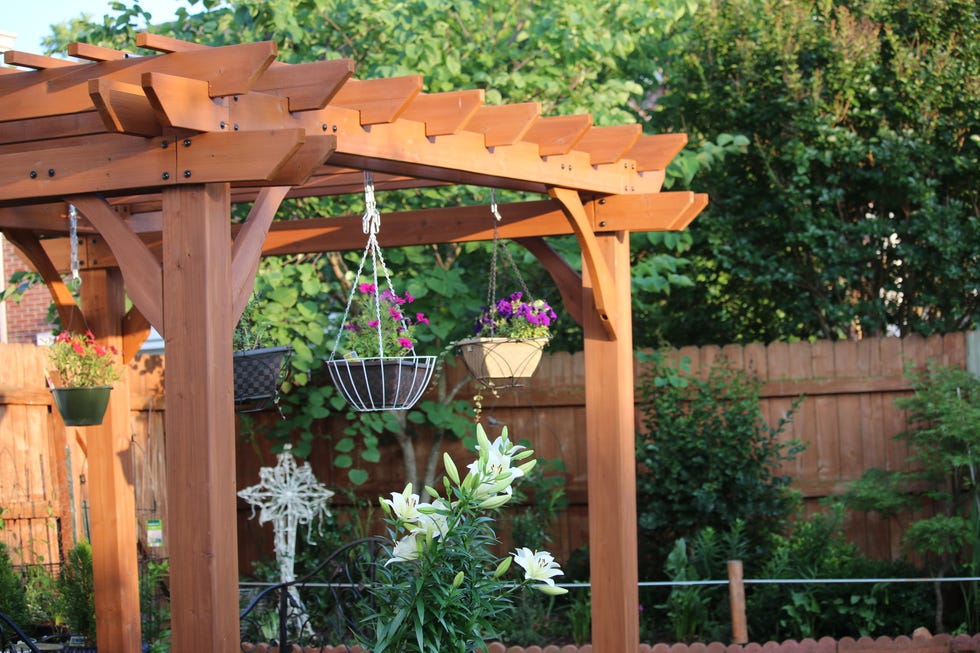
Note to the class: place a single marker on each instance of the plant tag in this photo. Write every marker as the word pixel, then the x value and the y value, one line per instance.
pixel 154 532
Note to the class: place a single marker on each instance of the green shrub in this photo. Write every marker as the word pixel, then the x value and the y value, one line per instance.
pixel 41 592
pixel 13 601
pixel 77 591
pixel 155 605
pixel 815 549
pixel 707 458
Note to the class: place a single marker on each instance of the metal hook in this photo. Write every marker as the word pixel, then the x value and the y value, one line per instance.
pixel 76 279
pixel 371 222
pixel 493 205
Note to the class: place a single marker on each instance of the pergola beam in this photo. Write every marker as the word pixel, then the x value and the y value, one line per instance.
pixel 655 212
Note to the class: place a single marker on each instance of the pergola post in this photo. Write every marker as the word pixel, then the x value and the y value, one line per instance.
pixel 610 445
pixel 200 420
pixel 113 500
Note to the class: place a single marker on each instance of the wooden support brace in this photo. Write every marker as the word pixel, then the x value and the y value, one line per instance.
pixel 135 331
pixel 247 250
pixel 140 268
pixel 68 311
pixel 603 290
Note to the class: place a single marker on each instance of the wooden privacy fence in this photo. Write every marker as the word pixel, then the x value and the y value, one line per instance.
pixel 44 499
pixel 848 420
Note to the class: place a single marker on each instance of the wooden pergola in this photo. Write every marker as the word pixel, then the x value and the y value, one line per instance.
pixel 154 150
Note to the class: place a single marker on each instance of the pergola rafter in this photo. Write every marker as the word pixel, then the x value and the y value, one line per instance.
pixel 154 150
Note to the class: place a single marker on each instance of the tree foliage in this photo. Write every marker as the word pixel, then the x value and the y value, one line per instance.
pixel 944 443
pixel 857 204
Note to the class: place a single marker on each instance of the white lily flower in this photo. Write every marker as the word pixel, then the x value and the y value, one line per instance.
pixel 405 505
pixel 432 520
pixel 405 550
pixel 538 565
pixel 493 467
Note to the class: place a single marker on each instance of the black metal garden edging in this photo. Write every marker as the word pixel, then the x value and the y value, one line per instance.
pixel 319 608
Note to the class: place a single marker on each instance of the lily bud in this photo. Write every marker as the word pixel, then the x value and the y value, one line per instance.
pixel 502 567
pixel 528 466
pixel 551 590
pixel 483 442
pixel 495 501
pixel 458 580
pixel 451 470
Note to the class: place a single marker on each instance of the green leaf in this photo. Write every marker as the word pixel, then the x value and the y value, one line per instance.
pixel 357 476
pixel 371 455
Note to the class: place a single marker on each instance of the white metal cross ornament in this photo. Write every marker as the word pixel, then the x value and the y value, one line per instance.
pixel 289 496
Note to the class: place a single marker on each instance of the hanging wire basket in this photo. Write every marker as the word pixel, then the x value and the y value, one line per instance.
pixel 370 384
pixel 372 379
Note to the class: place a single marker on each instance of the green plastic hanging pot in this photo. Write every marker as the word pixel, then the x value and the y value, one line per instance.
pixel 82 406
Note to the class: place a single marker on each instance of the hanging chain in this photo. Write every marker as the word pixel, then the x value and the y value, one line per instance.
pixel 498 247
pixel 76 279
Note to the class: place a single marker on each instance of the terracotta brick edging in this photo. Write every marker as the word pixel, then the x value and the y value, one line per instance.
pixel 901 644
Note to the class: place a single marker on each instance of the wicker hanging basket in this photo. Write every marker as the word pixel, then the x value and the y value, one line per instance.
pixel 257 376
pixel 503 361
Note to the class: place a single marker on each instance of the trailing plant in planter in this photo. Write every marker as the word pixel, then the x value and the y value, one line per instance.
pixel 443 587
pixel 81 376
pixel 510 335
pixel 381 324
pixel 378 369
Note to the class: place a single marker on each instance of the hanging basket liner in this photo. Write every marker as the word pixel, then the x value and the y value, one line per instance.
pixel 82 406
pixel 372 384
pixel 502 361
pixel 257 375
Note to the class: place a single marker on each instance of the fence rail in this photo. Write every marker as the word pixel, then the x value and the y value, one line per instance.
pixel 847 417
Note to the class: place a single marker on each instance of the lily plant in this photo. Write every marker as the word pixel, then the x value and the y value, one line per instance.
pixel 443 589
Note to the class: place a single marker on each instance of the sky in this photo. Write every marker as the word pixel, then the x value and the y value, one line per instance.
pixel 32 19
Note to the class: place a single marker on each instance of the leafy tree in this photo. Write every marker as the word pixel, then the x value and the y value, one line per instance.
pixel 706 457
pixel 857 203
pixel 577 55
pixel 944 439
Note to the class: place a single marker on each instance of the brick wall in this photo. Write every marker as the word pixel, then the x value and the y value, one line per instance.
pixel 28 317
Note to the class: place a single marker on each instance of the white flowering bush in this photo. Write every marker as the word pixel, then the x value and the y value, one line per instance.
pixel 443 589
